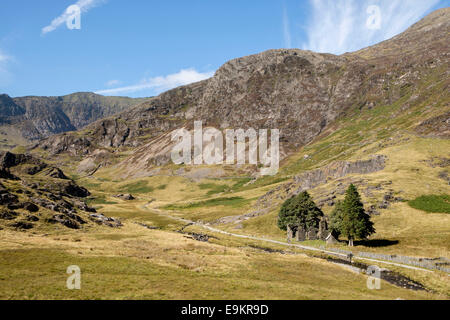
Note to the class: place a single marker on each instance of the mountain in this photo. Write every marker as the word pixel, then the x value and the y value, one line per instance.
pixel 9 109
pixel 302 93
pixel 33 118
pixel 108 198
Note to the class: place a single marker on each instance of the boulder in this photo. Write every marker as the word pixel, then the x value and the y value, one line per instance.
pixel 126 197
pixel 373 211
pixel 101 219
pixel 32 218
pixel 74 190
pixel 383 205
pixel 77 218
pixel 83 206
pixel 31 207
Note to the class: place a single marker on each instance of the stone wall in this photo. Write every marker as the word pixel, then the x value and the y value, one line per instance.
pixel 441 264
pixel 299 233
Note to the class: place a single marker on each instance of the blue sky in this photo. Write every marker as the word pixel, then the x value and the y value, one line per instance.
pixel 140 48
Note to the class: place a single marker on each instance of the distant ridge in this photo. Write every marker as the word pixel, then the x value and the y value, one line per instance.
pixel 35 117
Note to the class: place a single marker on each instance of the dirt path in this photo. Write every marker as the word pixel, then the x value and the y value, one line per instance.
pixel 308 248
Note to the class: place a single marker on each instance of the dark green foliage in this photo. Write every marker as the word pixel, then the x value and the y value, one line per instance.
pixel 350 219
pixel 299 210
pixel 336 219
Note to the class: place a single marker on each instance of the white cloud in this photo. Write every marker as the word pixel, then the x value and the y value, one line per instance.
pixel 112 83
pixel 339 26
pixel 84 5
pixel 286 30
pixel 3 57
pixel 5 60
pixel 161 84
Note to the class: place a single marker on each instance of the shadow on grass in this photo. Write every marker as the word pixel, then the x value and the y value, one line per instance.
pixel 375 243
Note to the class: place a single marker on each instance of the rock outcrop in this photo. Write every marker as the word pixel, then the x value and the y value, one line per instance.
pixel 45 190
pixel 436 126
pixel 335 170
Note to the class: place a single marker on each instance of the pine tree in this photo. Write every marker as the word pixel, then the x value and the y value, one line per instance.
pixel 336 219
pixel 354 222
pixel 299 210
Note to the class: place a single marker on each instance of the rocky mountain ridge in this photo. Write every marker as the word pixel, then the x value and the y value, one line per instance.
pixel 302 93
pixel 41 117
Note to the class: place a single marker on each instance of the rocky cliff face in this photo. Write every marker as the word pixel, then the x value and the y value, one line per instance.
pixel 299 92
pixel 41 117
pixel 9 109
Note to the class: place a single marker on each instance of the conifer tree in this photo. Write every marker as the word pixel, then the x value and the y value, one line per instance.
pixel 336 219
pixel 299 210
pixel 351 219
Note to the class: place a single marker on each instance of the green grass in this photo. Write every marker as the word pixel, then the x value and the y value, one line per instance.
pixel 432 203
pixel 137 187
pixel 214 188
pixel 230 202
pixel 240 183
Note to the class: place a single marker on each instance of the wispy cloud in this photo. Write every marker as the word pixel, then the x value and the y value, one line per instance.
pixel 84 5
pixel 5 60
pixel 339 26
pixel 160 84
pixel 286 29
pixel 112 83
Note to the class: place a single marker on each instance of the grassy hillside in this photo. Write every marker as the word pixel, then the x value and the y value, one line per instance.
pixel 136 263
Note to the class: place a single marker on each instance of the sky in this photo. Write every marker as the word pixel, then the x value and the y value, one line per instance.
pixel 140 48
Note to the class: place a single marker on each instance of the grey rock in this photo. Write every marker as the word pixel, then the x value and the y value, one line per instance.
pixel 8 215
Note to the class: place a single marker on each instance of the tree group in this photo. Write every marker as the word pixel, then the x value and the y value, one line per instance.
pixel 348 218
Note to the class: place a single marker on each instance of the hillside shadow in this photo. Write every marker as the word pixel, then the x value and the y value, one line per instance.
pixel 376 243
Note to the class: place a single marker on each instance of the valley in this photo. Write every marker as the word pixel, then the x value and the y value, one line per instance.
pixel 100 191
